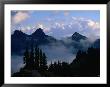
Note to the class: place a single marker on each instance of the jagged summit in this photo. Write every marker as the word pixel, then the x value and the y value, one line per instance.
pixel 38 32
pixel 19 40
pixel 19 33
pixel 76 36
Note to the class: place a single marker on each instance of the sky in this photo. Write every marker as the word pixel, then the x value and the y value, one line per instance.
pixel 57 23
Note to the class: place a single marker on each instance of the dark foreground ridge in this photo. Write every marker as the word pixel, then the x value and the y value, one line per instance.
pixel 86 64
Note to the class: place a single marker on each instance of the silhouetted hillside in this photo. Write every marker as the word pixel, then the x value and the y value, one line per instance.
pixel 86 64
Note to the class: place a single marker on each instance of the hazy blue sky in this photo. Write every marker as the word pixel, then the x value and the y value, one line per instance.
pixel 57 23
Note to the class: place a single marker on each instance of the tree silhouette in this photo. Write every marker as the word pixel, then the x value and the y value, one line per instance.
pixel 86 63
pixel 44 58
pixel 31 58
pixel 37 62
pixel 51 67
pixel 41 59
pixel 26 58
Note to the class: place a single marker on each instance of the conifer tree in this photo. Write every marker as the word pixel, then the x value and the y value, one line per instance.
pixel 44 58
pixel 26 58
pixel 37 63
pixel 41 59
pixel 31 62
pixel 51 67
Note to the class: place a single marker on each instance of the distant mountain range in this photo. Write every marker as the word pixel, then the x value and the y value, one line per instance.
pixel 20 40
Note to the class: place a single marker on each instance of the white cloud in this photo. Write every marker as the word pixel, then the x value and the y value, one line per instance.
pixel 87 27
pixel 46 30
pixel 50 33
pixel 19 17
pixel 59 25
pixel 93 25
pixel 61 28
pixel 40 26
pixel 27 29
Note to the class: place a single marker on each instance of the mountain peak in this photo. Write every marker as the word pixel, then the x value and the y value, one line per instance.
pixel 77 37
pixel 39 29
pixel 76 33
pixel 18 33
pixel 38 33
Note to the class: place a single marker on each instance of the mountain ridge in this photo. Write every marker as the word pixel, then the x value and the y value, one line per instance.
pixel 20 40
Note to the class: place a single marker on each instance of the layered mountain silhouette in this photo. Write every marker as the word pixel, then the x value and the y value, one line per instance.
pixel 20 40
pixel 72 56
